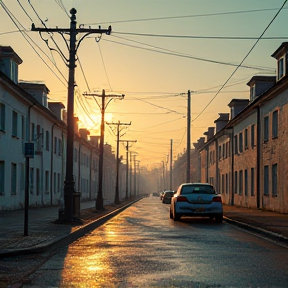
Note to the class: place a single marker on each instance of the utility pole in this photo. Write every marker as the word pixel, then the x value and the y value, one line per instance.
pixel 134 154
pixel 99 200
pixel 188 136
pixel 72 31
pixel 127 165
pixel 171 157
pixel 117 201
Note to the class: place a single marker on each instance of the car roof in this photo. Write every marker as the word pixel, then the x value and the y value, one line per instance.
pixel 196 183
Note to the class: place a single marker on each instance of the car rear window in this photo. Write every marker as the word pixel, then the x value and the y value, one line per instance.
pixel 169 193
pixel 205 189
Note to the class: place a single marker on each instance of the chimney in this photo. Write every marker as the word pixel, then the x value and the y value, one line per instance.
pixel 57 109
pixel 259 84
pixel 95 141
pixel 84 133
pixel 76 126
pixel 221 121
pixel 37 90
pixel 200 143
pixel 9 62
pixel 209 133
pixel 236 106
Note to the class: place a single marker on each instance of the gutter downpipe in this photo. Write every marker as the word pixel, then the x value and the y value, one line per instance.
pixel 232 166
pixel 51 164
pixel 258 156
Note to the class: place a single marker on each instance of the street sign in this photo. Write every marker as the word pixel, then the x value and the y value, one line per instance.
pixel 29 150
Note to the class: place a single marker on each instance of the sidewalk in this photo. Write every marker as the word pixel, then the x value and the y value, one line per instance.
pixel 43 232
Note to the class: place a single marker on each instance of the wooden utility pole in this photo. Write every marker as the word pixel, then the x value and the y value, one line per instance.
pixel 127 165
pixel 117 201
pixel 171 162
pixel 72 31
pixel 99 199
pixel 188 136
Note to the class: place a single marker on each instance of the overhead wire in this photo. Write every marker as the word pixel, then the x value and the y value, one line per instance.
pixel 241 61
pixel 25 35
pixel 187 16
pixel 104 66
pixel 182 55
pixel 200 37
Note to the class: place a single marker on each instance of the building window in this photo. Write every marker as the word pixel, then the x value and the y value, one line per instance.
pixel 223 184
pixel 252 182
pixel 54 182
pixel 274 179
pixel 280 68
pixel 246 138
pixel 219 152
pixel 2 177
pixel 266 180
pixel 58 182
pixel 252 135
pixel 246 182
pixel 224 151
pixel 211 180
pixel 59 147
pixel 2 117
pixel 227 183
pixel 235 182
pixel 31 180
pixel 37 181
pixel 55 145
pixel 47 140
pixel 14 124
pixel 275 124
pixel 252 92
pixel 240 182
pixel 23 127
pixel 266 128
pixel 235 144
pixel 240 142
pixel 32 132
pixel 46 181
pixel 227 148
pixel 13 178
pixel 75 154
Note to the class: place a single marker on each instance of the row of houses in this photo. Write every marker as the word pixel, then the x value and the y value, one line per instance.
pixel 26 116
pixel 245 155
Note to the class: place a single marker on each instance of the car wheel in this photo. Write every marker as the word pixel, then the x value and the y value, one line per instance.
pixel 176 216
pixel 219 218
pixel 171 214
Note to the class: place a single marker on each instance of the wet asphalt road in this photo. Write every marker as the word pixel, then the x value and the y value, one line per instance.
pixel 143 247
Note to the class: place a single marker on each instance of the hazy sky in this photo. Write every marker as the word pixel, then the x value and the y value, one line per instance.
pixel 157 51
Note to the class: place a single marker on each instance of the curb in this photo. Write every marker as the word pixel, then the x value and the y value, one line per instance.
pixel 66 239
pixel 268 234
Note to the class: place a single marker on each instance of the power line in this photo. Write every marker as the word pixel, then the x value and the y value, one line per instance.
pixel 241 61
pixel 23 33
pixel 172 53
pixel 187 16
pixel 200 37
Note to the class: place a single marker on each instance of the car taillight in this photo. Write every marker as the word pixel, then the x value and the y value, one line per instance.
pixel 217 199
pixel 182 199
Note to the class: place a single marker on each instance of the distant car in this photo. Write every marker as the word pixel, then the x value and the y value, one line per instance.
pixel 196 199
pixel 167 196
pixel 155 194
